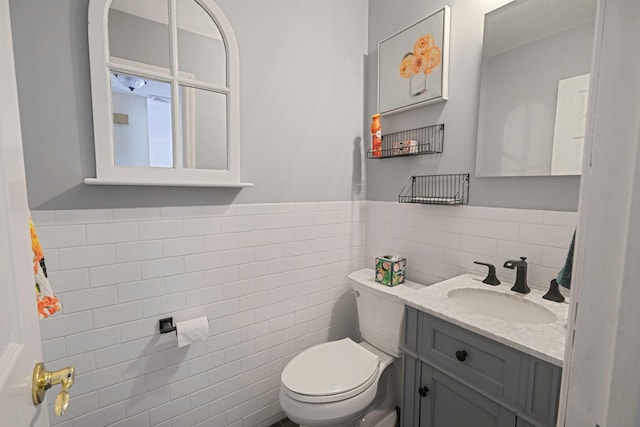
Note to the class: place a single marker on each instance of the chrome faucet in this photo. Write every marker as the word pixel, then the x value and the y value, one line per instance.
pixel 521 275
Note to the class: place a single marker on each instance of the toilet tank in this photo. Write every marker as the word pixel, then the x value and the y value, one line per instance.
pixel 380 311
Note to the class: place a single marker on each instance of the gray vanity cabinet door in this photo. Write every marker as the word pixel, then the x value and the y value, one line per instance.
pixel 484 363
pixel 451 404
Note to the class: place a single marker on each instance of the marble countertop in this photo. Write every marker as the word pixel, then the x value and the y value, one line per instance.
pixel 544 341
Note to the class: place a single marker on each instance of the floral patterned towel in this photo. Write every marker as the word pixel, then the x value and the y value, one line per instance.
pixel 47 301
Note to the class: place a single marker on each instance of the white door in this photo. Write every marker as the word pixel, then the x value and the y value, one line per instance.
pixel 570 127
pixel 20 346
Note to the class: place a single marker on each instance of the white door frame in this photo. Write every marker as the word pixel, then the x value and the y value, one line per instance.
pixel 601 379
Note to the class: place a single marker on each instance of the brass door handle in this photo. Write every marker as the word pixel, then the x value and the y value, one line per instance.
pixel 43 380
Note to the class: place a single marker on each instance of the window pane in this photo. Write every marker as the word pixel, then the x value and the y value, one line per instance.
pixel 204 129
pixel 139 31
pixel 201 51
pixel 141 121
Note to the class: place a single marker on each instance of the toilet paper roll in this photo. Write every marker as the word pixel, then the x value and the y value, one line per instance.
pixel 192 330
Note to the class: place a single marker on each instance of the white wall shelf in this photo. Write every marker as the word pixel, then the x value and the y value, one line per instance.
pixel 168 183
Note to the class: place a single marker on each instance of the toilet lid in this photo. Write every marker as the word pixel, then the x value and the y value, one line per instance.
pixel 331 368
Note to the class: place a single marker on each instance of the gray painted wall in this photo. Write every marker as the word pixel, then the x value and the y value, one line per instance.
pixel 302 91
pixel 385 178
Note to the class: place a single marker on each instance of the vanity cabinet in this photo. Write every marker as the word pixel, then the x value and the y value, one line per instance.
pixel 457 378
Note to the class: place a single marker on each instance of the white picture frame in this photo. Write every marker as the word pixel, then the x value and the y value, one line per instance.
pixel 413 64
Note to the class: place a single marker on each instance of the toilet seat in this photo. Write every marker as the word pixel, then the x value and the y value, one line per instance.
pixel 330 372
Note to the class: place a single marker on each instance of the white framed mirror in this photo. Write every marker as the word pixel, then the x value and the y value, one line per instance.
pixel 165 93
pixel 534 87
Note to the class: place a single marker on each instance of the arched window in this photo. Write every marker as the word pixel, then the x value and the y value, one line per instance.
pixel 164 81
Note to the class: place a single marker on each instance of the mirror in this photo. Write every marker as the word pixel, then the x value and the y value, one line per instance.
pixel 534 86
pixel 164 78
pixel 139 37
pixel 142 131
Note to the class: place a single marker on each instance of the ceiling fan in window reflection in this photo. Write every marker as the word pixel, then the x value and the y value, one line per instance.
pixel 131 82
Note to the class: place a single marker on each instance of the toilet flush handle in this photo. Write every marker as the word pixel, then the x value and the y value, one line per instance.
pixel 356 293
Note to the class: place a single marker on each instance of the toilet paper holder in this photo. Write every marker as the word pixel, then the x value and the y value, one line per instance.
pixel 166 325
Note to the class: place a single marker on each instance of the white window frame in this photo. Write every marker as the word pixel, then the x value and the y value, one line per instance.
pixel 101 65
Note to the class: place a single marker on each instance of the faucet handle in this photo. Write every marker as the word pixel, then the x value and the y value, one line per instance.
pixel 554 293
pixel 491 278
pixel 523 258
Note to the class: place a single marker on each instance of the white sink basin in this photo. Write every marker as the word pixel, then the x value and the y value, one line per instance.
pixel 511 308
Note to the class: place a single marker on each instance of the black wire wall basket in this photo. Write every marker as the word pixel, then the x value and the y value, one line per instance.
pixel 450 189
pixel 424 140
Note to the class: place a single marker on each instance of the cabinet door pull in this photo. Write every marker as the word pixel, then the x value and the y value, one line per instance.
pixel 422 391
pixel 461 355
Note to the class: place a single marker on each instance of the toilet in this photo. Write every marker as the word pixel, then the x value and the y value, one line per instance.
pixel 344 383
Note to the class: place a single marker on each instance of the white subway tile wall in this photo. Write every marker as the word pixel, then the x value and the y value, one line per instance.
pixel 271 278
pixel 441 242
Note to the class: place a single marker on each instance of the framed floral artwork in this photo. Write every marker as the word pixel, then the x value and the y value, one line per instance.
pixel 413 64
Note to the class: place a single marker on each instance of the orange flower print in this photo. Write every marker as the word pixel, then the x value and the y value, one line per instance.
pixel 406 66
pixel 425 57
pixel 48 303
pixel 422 45
pixel 35 247
pixel 432 59
pixel 418 64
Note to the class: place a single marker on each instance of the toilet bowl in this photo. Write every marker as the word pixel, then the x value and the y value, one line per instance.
pixel 334 384
pixel 344 383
